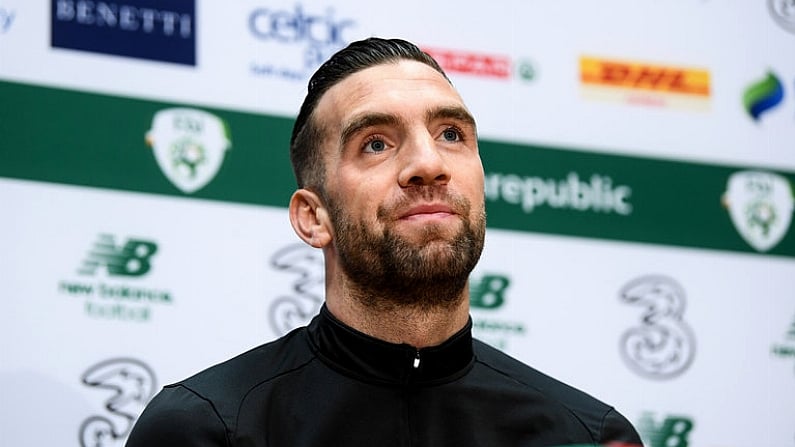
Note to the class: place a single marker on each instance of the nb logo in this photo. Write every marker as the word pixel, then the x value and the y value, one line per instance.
pixel 130 259
pixel 672 432
pixel 488 292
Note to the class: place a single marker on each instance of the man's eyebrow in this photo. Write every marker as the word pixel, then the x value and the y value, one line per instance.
pixel 372 119
pixel 457 113
pixel 364 121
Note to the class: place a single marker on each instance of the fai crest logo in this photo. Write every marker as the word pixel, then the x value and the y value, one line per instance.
pixel 189 146
pixel 760 205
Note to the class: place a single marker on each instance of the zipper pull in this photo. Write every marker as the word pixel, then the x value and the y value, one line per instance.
pixel 416 360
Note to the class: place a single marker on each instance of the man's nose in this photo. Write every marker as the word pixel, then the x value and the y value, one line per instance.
pixel 423 163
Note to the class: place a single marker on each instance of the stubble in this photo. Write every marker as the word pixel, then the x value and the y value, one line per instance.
pixel 389 271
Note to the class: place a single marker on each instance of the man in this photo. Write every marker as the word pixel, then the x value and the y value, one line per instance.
pixel 391 190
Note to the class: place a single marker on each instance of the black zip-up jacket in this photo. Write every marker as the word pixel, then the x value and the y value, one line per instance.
pixel 329 385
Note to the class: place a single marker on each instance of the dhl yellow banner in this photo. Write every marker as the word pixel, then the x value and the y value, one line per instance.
pixel 596 72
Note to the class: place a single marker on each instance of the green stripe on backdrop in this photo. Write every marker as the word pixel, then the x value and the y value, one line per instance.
pixel 79 138
pixel 95 140
pixel 640 199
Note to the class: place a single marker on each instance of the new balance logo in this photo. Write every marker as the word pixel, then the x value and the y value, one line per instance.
pixel 672 431
pixel 133 258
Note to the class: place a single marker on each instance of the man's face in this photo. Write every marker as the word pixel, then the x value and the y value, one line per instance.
pixel 404 182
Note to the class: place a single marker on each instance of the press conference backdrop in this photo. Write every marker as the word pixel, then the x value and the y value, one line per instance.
pixel 639 159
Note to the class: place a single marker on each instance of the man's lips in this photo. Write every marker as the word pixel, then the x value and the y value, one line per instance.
pixel 428 211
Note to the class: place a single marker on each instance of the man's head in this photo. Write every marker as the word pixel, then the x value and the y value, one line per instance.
pixel 307 133
pixel 394 195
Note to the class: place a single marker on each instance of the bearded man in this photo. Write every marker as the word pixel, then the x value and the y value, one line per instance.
pixel 390 188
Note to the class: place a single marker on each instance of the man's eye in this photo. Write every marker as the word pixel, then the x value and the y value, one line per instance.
pixel 375 146
pixel 451 135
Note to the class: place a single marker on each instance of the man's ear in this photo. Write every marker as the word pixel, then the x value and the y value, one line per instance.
pixel 309 218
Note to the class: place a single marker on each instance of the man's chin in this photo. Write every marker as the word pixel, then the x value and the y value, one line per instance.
pixel 429 233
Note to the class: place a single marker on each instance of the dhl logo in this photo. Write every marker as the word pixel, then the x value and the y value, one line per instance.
pixel 596 72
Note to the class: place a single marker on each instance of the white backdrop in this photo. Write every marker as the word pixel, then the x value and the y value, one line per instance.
pixel 109 267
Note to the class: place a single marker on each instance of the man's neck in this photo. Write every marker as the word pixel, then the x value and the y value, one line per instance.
pixel 418 327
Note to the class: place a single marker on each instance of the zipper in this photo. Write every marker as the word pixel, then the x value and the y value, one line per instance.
pixel 416 363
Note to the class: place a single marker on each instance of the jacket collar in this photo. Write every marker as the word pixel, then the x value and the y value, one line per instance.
pixel 365 358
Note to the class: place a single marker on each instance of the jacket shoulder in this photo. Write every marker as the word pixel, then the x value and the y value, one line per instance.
pixel 604 422
pixel 212 398
pixel 233 378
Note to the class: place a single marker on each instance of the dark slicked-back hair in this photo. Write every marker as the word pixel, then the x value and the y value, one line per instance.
pixel 305 153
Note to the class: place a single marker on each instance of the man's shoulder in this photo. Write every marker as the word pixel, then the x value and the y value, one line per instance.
pixel 604 422
pixel 532 378
pixel 239 374
pixel 209 400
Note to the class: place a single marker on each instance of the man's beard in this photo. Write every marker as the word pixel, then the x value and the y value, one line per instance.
pixel 388 271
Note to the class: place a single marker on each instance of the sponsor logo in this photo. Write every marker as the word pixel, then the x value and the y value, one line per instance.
pixel 662 346
pixel 297 307
pixel 189 146
pixel 785 349
pixel 130 259
pixel 116 298
pixel 783 12
pixel 760 206
pixel 645 84
pixel 763 95
pixel 296 41
pixel 160 30
pixel 482 65
pixel 487 293
pixel 671 431
pixel 7 16
pixel 599 194
pixel 129 384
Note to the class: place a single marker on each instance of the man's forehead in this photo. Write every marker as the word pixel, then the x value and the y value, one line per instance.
pixel 376 86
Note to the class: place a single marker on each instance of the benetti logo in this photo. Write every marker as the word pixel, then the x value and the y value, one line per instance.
pixel 145 29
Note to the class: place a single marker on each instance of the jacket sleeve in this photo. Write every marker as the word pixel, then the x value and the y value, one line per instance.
pixel 178 417
pixel 618 431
